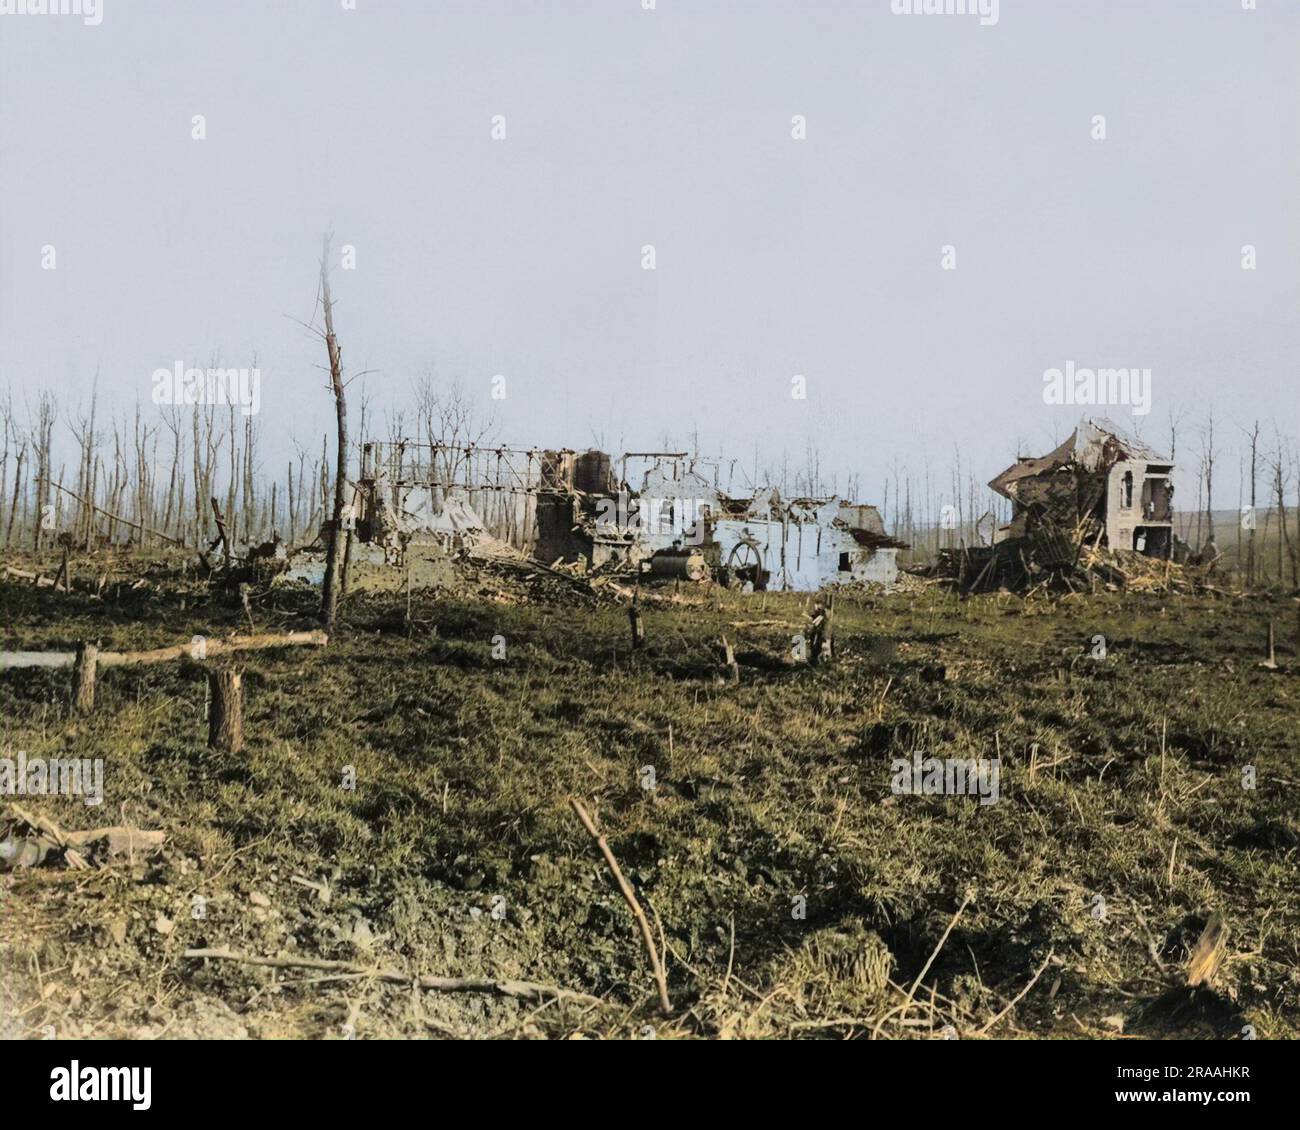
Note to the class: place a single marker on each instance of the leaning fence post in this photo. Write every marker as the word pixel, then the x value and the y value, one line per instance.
pixel 637 625
pixel 83 678
pixel 226 712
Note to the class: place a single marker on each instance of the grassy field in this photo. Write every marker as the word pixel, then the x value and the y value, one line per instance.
pixel 1066 909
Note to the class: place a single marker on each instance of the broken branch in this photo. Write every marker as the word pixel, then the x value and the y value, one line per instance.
pixel 630 898
pixel 519 990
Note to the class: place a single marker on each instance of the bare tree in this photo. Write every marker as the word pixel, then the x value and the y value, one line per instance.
pixel 42 443
pixel 1281 468
pixel 1207 464
pixel 1250 540
pixel 330 589
pixel 451 423
pixel 1175 418
pixel 171 418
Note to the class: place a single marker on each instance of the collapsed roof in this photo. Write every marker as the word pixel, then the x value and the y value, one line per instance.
pixel 1093 446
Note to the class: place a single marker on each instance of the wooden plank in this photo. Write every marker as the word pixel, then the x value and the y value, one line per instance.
pixel 13 659
pixel 36 659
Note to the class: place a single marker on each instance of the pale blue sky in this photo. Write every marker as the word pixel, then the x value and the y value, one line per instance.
pixel 669 127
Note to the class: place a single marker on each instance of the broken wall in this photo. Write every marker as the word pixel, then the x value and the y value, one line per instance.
pixel 803 556
pixel 1135 495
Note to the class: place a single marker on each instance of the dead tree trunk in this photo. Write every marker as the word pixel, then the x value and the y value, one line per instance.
pixel 331 586
pixel 13 509
pixel 222 535
pixel 1280 477
pixel 226 712
pixel 1250 542
pixel 347 544
pixel 1208 449
pixel 83 678
pixel 42 446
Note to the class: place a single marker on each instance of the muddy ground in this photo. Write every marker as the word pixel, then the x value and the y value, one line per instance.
pixel 1069 905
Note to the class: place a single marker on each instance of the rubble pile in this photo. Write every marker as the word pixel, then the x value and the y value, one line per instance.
pixel 1051 561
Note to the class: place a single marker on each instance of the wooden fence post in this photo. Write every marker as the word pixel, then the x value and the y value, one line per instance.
pixel 226 712
pixel 1270 660
pixel 83 678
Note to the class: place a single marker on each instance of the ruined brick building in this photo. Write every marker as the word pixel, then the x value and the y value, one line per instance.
pixel 1101 487
pixel 579 509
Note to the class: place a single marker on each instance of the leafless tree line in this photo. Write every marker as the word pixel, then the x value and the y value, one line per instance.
pixel 149 476
pixel 1268 473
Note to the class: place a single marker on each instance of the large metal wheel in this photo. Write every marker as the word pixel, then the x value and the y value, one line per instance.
pixel 745 563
